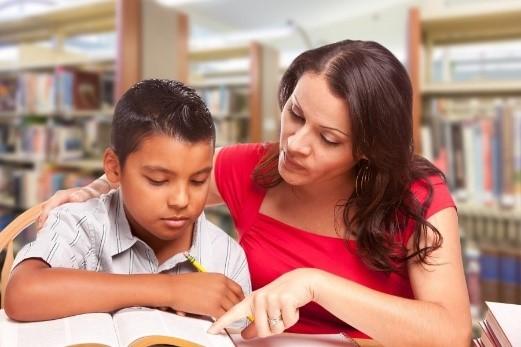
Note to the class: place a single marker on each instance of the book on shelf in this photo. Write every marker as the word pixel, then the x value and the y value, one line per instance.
pixel 52 179
pixel 500 325
pixel 133 327
pixel 63 90
pixel 224 101
pixel 477 143
pixel 107 90
pixel 8 88
pixel 66 143
pixel 36 93
pixel 78 90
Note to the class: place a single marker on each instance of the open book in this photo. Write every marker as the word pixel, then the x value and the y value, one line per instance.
pixel 134 327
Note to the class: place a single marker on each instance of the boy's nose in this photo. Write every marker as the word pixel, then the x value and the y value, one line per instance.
pixel 178 198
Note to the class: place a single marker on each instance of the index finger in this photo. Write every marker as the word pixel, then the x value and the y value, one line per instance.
pixel 237 312
pixel 47 206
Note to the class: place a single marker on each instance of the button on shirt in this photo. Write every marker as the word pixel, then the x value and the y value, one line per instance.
pixel 95 236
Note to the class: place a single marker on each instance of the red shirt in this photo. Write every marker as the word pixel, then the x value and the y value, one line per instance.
pixel 274 248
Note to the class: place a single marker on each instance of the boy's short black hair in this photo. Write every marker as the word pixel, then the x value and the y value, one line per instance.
pixel 159 106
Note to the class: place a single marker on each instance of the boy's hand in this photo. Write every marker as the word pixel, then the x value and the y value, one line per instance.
pixel 204 293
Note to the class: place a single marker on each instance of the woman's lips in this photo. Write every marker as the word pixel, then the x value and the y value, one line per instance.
pixel 291 163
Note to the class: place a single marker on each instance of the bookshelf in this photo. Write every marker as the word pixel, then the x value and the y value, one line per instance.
pixel 242 99
pixel 247 94
pixel 44 119
pixel 57 101
pixel 467 120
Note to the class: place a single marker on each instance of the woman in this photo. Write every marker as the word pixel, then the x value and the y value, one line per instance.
pixel 344 227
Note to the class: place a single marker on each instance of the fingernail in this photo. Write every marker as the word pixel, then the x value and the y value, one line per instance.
pixel 212 330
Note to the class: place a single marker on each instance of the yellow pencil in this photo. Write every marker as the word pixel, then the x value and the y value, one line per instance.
pixel 194 262
pixel 199 267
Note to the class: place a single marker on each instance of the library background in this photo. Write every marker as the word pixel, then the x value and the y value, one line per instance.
pixel 63 65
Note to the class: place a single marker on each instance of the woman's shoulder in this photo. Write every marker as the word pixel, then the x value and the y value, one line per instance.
pixel 245 150
pixel 434 191
pixel 420 186
pixel 243 157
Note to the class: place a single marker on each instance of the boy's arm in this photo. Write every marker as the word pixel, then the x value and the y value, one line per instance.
pixel 37 292
pixel 50 277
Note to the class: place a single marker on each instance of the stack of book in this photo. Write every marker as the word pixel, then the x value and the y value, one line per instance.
pixel 500 326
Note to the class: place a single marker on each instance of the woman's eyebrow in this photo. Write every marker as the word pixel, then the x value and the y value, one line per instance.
pixel 296 103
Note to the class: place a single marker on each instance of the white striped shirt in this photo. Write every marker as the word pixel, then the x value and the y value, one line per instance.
pixel 95 235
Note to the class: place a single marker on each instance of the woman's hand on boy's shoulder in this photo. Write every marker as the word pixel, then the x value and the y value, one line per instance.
pixel 61 197
pixel 204 293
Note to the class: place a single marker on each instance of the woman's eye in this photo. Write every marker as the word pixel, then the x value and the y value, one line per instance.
pixel 332 143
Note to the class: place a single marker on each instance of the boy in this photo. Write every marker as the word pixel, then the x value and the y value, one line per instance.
pixel 132 240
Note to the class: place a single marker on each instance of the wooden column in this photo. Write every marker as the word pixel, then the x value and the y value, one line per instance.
pixel 413 66
pixel 128 58
pixel 152 43
pixel 264 112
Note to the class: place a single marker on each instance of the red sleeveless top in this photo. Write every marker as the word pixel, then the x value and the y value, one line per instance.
pixel 274 248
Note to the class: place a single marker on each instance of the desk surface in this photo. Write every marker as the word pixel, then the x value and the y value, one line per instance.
pixel 304 340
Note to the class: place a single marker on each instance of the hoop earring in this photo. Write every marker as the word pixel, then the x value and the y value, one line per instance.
pixel 361 179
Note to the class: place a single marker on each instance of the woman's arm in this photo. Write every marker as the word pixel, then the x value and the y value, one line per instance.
pixel 214 197
pixel 37 292
pixel 439 316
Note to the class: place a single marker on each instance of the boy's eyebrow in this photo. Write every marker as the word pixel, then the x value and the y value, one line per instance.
pixel 165 170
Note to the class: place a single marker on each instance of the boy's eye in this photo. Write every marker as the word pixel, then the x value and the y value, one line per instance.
pixel 199 182
pixel 156 182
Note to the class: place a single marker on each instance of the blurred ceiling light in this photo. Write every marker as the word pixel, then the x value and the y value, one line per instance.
pixel 220 40
pixel 14 9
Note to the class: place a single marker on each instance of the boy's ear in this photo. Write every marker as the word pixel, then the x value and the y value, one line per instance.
pixel 111 166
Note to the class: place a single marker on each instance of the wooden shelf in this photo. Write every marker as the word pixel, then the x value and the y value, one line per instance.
pixel 239 81
pixel 486 211
pixel 7 201
pixel 219 53
pixel 20 158
pixel 97 16
pixel 469 88
pixel 93 165
pixel 55 63
pixel 478 22
pixel 73 114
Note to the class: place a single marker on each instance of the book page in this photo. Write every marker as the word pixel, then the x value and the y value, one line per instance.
pixel 90 328
pixel 134 323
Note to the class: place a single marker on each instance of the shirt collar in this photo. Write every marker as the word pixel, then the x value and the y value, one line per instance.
pixel 120 235
pixel 122 238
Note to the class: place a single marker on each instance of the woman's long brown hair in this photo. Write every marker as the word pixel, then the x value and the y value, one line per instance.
pixel 378 94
